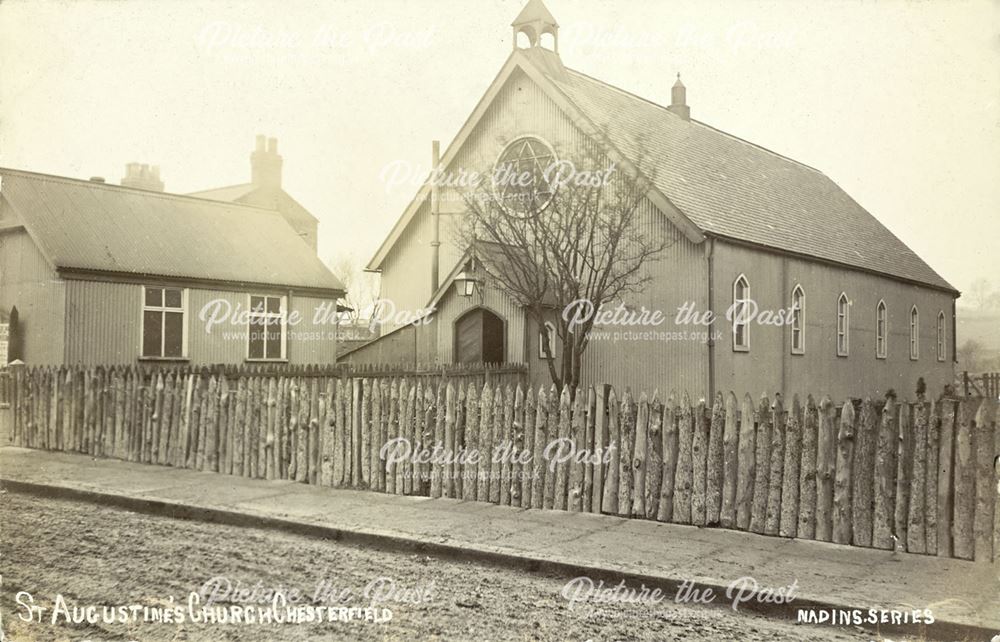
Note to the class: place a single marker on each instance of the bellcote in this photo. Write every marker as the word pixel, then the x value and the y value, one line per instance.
pixel 535 21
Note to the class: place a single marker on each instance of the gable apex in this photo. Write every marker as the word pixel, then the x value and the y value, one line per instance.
pixel 541 67
pixel 534 11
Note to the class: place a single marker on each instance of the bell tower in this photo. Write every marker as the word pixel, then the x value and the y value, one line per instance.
pixel 535 21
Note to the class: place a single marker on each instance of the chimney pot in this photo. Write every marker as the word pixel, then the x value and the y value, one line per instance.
pixel 265 163
pixel 142 176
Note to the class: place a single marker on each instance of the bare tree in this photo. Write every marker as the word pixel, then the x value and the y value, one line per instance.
pixel 970 355
pixel 562 239
pixel 361 288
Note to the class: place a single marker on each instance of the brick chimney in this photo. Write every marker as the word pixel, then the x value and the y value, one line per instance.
pixel 143 176
pixel 265 163
pixel 678 100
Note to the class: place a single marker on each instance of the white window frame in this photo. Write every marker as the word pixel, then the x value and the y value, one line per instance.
pixel 551 328
pixel 163 308
pixel 843 325
pixel 282 314
pixel 745 345
pixel 881 330
pixel 914 333
pixel 941 336
pixel 798 319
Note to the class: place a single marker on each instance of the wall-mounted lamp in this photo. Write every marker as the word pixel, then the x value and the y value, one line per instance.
pixel 465 284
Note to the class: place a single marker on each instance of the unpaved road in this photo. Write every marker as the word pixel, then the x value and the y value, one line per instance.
pixel 93 555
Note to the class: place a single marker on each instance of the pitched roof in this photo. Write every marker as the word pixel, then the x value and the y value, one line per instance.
pixel 534 10
pixel 251 194
pixel 709 180
pixel 230 193
pixel 88 226
pixel 493 259
pixel 732 188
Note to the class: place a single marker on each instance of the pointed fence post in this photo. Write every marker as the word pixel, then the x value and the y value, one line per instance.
pixel 842 518
pixel 715 463
pixel 639 455
pixel 654 469
pixel 826 463
pixel 863 470
pixel 788 526
pixel 758 516
pixel 746 463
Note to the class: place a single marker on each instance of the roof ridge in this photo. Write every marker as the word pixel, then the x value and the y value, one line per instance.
pixel 111 186
pixel 216 189
pixel 693 120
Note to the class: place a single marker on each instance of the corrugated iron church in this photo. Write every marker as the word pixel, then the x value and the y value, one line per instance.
pixel 744 223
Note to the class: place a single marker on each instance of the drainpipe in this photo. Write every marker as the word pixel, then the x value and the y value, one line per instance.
pixel 284 338
pixel 710 255
pixel 954 331
pixel 436 217
pixel 786 337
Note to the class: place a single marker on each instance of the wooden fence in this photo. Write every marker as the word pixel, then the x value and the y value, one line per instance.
pixel 911 476
pixel 986 384
pixel 6 388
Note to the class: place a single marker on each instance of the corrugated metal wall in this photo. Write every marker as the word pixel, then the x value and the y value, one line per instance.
pixel 103 322
pixel 520 108
pixel 657 357
pixel 406 272
pixel 453 306
pixel 226 343
pixel 314 338
pixel 770 367
pixel 27 281
pixel 681 361
pixel 103 327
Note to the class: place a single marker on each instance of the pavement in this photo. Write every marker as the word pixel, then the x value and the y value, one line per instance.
pixel 963 596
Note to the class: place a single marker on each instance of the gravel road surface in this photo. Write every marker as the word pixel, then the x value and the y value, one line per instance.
pixel 93 555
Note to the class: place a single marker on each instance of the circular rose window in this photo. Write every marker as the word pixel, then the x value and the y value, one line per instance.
pixel 521 176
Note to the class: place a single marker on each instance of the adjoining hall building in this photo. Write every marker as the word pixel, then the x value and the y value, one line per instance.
pixel 103 274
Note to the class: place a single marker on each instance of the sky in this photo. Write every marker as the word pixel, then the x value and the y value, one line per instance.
pixel 898 102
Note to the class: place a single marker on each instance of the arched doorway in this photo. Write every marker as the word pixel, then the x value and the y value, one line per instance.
pixel 480 336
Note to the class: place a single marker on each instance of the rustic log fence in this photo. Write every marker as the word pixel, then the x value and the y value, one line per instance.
pixel 6 388
pixel 908 476
pixel 986 384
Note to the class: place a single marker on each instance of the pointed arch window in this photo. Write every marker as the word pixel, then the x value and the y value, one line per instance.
pixel 940 336
pixel 881 329
pixel 798 320
pixel 843 325
pixel 547 330
pixel 741 310
pixel 914 333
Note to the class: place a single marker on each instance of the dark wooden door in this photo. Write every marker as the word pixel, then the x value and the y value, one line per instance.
pixel 469 337
pixel 479 337
pixel 493 338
